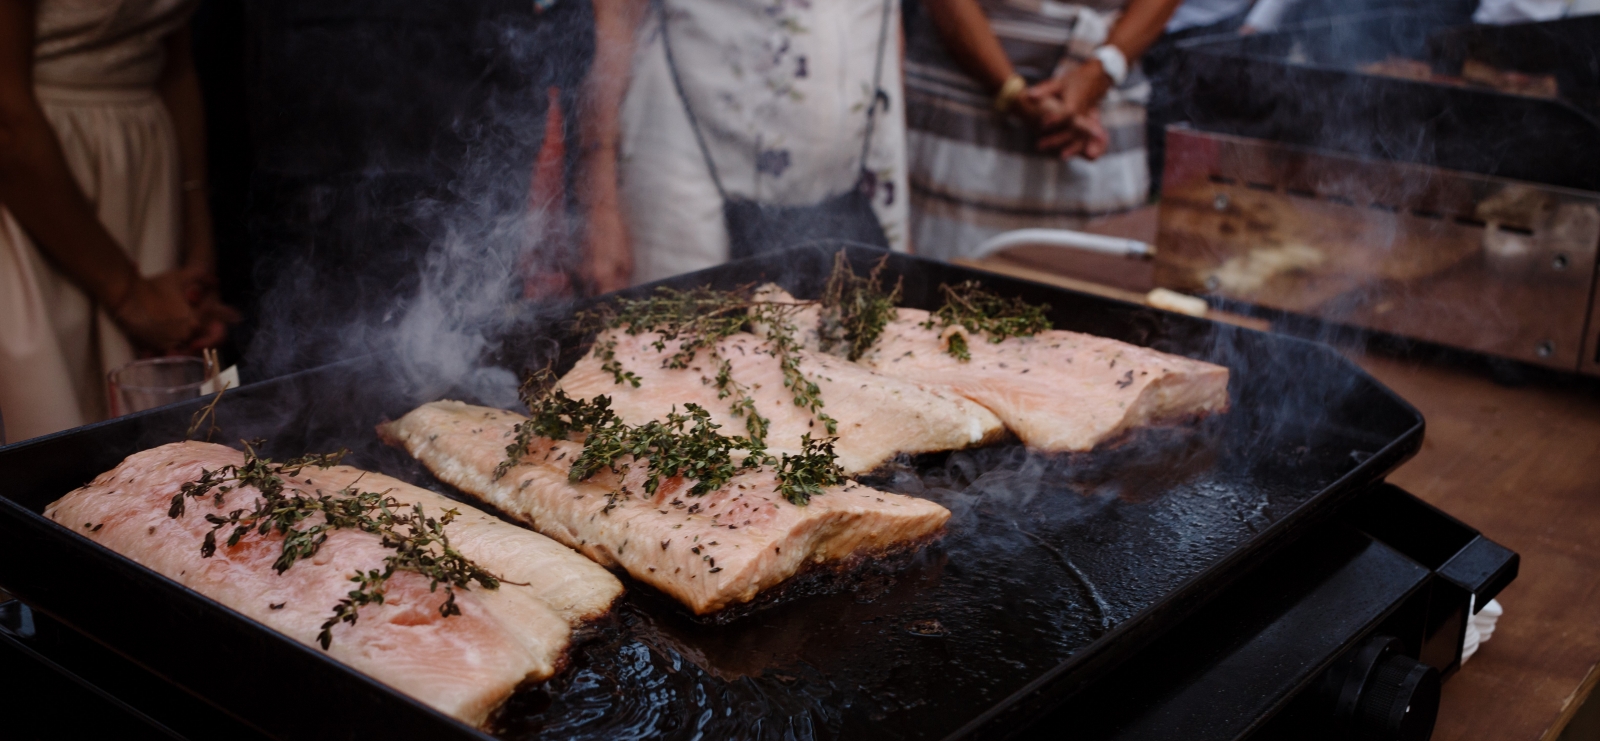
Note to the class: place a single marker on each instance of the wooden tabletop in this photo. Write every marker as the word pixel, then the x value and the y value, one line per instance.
pixel 1522 465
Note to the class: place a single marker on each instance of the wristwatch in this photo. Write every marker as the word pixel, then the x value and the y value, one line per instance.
pixel 1113 61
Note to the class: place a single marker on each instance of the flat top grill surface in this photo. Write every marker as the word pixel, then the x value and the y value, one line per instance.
pixel 1053 567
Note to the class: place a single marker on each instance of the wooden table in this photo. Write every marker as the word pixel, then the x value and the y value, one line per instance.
pixel 1523 466
pixel 1520 464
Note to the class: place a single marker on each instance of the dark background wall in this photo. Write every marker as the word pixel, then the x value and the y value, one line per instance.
pixel 346 137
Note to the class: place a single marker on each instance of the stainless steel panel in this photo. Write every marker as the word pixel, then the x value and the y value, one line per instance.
pixel 1487 264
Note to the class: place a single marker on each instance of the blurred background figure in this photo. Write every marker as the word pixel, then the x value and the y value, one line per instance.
pixel 105 234
pixel 1523 11
pixel 1024 114
pixel 718 123
pixel 1194 19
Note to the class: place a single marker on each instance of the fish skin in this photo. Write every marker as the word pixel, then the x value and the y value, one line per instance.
pixel 878 416
pixel 657 539
pixel 1058 391
pixel 464 665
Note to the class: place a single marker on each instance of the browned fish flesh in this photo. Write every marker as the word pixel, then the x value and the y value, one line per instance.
pixel 710 552
pixel 465 665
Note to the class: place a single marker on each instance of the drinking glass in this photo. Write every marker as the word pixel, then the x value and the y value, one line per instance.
pixel 153 382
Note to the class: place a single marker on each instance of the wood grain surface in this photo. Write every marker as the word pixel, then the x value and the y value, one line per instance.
pixel 1523 466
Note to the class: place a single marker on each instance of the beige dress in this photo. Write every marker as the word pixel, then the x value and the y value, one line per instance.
pixel 96 63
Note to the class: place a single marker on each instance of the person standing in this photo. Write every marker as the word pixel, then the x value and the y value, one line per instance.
pixel 1025 113
pixel 716 128
pixel 105 241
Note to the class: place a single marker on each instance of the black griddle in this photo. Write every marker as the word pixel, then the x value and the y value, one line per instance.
pixel 1304 85
pixel 1054 571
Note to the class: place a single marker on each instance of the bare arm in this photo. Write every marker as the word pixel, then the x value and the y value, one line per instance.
pixel 966 33
pixel 35 184
pixel 38 189
pixel 608 256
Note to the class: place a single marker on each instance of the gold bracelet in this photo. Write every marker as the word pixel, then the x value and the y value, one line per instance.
pixel 1009 92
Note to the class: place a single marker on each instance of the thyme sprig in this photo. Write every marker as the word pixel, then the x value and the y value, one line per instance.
pixel 685 444
pixel 697 319
pixel 971 307
pixel 855 310
pixel 420 543
pixel 806 475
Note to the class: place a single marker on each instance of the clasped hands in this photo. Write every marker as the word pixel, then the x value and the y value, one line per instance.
pixel 1065 109
pixel 176 311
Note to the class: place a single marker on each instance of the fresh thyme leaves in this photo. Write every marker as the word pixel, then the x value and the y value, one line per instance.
pixel 419 542
pixel 803 476
pixel 958 347
pixel 780 330
pixel 743 404
pixel 553 415
pixel 971 307
pixel 694 320
pixel 686 445
pixel 420 546
pixel 855 310
pixel 207 413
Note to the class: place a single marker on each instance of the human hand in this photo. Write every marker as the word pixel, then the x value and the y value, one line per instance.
pixel 1079 136
pixel 213 315
pixel 1070 106
pixel 155 312
pixel 607 254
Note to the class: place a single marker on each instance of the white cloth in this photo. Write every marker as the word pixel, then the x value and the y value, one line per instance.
pixel 1480 628
pixel 1501 12
pixel 780 91
pixel 97 62
pixel 1265 15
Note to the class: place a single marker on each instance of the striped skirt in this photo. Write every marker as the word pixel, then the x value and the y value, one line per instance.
pixel 975 173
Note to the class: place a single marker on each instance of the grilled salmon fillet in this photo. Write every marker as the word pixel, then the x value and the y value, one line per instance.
pixel 1057 390
pixel 464 665
pixel 573 586
pixel 878 416
pixel 709 552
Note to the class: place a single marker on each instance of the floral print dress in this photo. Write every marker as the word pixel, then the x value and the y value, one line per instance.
pixel 781 90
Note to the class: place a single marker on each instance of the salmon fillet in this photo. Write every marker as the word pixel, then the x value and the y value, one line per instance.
pixel 464 665
pixel 576 588
pixel 710 552
pixel 878 416
pixel 1057 390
